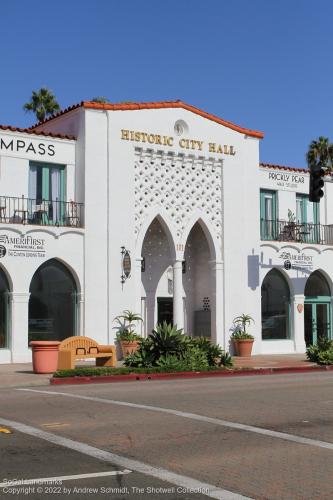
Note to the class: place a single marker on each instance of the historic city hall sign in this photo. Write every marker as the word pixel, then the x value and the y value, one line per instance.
pixel 166 140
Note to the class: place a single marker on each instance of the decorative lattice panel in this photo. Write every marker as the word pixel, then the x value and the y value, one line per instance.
pixel 181 185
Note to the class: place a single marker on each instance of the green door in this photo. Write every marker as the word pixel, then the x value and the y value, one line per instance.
pixel 317 321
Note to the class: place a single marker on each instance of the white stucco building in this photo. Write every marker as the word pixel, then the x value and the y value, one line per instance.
pixel 176 199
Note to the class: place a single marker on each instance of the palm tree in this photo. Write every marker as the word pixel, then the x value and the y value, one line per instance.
pixel 320 154
pixel 43 103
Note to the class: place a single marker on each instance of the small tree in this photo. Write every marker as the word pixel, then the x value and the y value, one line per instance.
pixel 43 103
pixel 100 99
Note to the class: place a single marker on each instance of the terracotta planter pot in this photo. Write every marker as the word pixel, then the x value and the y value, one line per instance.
pixel 243 347
pixel 128 347
pixel 44 355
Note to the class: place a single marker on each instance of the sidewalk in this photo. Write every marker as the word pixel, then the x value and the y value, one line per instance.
pixel 273 361
pixel 21 375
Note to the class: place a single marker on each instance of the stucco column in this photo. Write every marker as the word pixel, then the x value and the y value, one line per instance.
pixel 178 307
pixel 137 280
pixel 80 314
pixel 297 323
pixel 19 303
pixel 217 328
pixel 331 316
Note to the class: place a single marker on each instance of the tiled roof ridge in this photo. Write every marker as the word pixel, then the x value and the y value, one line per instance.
pixel 128 106
pixel 34 132
pixel 284 167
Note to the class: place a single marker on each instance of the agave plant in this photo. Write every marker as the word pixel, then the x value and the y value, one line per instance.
pixel 225 360
pixel 213 351
pixel 170 362
pixel 166 339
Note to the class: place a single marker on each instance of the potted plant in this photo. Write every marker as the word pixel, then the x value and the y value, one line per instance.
pixel 243 341
pixel 126 336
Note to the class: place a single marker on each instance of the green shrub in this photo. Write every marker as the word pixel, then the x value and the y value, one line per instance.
pixel 195 358
pixel 171 362
pixel 225 360
pixel 213 351
pixel 143 357
pixel 322 353
pixel 99 372
pixel 325 357
pixel 169 347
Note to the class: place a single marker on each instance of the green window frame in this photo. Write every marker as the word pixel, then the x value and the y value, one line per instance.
pixel 268 214
pixel 304 208
pixel 44 180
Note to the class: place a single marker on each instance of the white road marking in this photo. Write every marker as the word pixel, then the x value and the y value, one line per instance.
pixel 41 480
pixel 189 483
pixel 194 416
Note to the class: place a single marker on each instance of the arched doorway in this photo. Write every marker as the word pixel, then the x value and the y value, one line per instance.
pixel 198 284
pixel 157 276
pixel 275 307
pixel 317 308
pixel 4 311
pixel 52 303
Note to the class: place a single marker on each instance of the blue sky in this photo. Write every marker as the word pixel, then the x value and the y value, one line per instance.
pixel 261 64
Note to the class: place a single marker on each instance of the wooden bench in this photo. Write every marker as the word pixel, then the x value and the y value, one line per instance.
pixel 74 348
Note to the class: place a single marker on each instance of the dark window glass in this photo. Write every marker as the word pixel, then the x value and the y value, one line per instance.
pixel 275 305
pixel 317 285
pixel 4 289
pixel 39 186
pixel 52 304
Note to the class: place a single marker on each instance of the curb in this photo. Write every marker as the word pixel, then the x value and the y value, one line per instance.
pixel 132 377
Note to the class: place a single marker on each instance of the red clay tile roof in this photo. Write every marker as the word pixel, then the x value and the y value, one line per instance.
pixel 30 131
pixel 281 167
pixel 154 105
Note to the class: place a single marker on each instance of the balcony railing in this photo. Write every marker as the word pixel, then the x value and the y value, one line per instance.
pixel 281 230
pixel 40 212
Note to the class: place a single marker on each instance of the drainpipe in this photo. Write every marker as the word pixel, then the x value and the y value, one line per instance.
pixel 108 225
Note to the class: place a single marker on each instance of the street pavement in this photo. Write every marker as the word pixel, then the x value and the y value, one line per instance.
pixel 262 437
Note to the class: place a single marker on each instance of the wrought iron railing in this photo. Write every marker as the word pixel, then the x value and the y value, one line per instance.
pixel 40 212
pixel 281 230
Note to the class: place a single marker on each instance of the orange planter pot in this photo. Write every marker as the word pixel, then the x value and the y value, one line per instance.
pixel 243 347
pixel 128 347
pixel 44 355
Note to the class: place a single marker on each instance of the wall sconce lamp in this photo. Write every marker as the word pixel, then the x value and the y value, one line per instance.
pixel 126 265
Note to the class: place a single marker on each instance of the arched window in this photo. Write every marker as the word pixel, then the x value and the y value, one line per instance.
pixel 317 286
pixel 4 315
pixel 52 304
pixel 275 307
